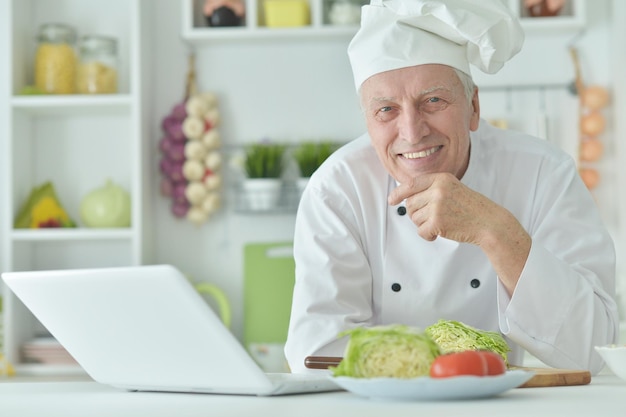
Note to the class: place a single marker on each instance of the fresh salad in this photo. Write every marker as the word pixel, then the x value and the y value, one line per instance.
pixel 454 336
pixel 445 349
pixel 393 351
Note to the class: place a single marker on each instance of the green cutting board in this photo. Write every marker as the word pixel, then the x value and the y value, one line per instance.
pixel 269 275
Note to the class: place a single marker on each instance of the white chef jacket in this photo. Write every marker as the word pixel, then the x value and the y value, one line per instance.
pixel 359 262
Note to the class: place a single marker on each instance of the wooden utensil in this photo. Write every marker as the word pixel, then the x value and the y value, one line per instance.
pixel 544 377
pixel 554 377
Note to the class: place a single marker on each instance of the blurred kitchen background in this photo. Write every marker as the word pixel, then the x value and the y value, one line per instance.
pixel 273 83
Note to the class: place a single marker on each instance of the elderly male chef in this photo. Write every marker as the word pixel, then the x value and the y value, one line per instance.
pixel 434 214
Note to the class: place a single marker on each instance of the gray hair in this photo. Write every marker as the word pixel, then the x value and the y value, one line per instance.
pixel 467 82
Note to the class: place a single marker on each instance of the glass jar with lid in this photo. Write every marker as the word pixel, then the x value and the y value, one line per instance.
pixel 97 69
pixel 345 12
pixel 55 59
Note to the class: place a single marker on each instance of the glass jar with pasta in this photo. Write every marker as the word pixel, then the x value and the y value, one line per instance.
pixel 97 69
pixel 55 59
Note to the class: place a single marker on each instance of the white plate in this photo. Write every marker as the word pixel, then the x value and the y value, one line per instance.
pixel 426 388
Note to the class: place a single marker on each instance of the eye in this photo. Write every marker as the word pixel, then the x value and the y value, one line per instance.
pixel 384 113
pixel 435 103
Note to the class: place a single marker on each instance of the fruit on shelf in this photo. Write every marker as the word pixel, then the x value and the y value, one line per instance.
pixel 106 206
pixel 31 90
pixel 42 209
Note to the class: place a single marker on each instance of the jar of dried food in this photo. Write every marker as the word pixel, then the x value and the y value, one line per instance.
pixel 97 70
pixel 345 12
pixel 55 59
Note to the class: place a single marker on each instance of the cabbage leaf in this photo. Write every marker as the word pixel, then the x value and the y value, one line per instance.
pixel 454 336
pixel 396 351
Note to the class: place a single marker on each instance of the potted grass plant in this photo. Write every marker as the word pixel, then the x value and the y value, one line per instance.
pixel 309 156
pixel 263 165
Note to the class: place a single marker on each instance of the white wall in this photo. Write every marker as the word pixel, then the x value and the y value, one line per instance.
pixel 295 89
pixel 281 89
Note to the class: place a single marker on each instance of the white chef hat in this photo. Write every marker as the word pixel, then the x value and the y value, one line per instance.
pixel 402 33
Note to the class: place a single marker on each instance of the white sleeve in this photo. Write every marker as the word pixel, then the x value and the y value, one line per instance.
pixel 564 302
pixel 333 286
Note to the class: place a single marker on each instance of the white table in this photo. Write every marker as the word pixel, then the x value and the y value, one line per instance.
pixel 604 397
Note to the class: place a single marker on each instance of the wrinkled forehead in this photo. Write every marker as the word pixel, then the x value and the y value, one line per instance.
pixel 413 81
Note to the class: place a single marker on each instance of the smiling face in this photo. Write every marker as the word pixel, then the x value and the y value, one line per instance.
pixel 419 119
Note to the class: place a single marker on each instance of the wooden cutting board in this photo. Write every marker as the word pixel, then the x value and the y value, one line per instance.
pixel 553 377
pixel 544 377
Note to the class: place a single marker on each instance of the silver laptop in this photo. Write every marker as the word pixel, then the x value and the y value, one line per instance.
pixel 146 328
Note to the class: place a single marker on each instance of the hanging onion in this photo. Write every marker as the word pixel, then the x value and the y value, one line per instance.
pixel 591 149
pixel 595 97
pixel 592 123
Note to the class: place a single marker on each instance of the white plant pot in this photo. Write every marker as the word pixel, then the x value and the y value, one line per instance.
pixel 262 193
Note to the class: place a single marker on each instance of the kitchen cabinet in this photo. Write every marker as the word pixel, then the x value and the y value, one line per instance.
pixel 75 141
pixel 571 16
pixel 255 25
pixel 320 23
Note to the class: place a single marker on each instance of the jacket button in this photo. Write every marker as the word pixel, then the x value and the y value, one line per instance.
pixel 401 210
pixel 395 287
pixel 475 283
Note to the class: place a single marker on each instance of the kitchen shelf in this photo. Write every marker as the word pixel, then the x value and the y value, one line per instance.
pixel 572 16
pixel 77 142
pixel 71 104
pixel 287 202
pixel 37 370
pixel 69 234
pixel 195 29
pixel 201 35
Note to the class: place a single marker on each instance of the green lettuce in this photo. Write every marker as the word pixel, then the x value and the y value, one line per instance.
pixel 454 336
pixel 396 351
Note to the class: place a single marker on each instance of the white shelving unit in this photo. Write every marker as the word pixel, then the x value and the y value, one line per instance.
pixel 195 29
pixel 571 16
pixel 77 142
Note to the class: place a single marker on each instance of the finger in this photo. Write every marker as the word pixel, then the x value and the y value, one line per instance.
pixel 407 189
pixel 424 228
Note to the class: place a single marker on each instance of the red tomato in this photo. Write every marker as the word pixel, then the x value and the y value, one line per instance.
pixel 495 363
pixel 468 362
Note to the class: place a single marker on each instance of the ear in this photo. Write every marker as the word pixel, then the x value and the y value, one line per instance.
pixel 475 116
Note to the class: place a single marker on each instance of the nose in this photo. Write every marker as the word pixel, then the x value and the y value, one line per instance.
pixel 413 126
